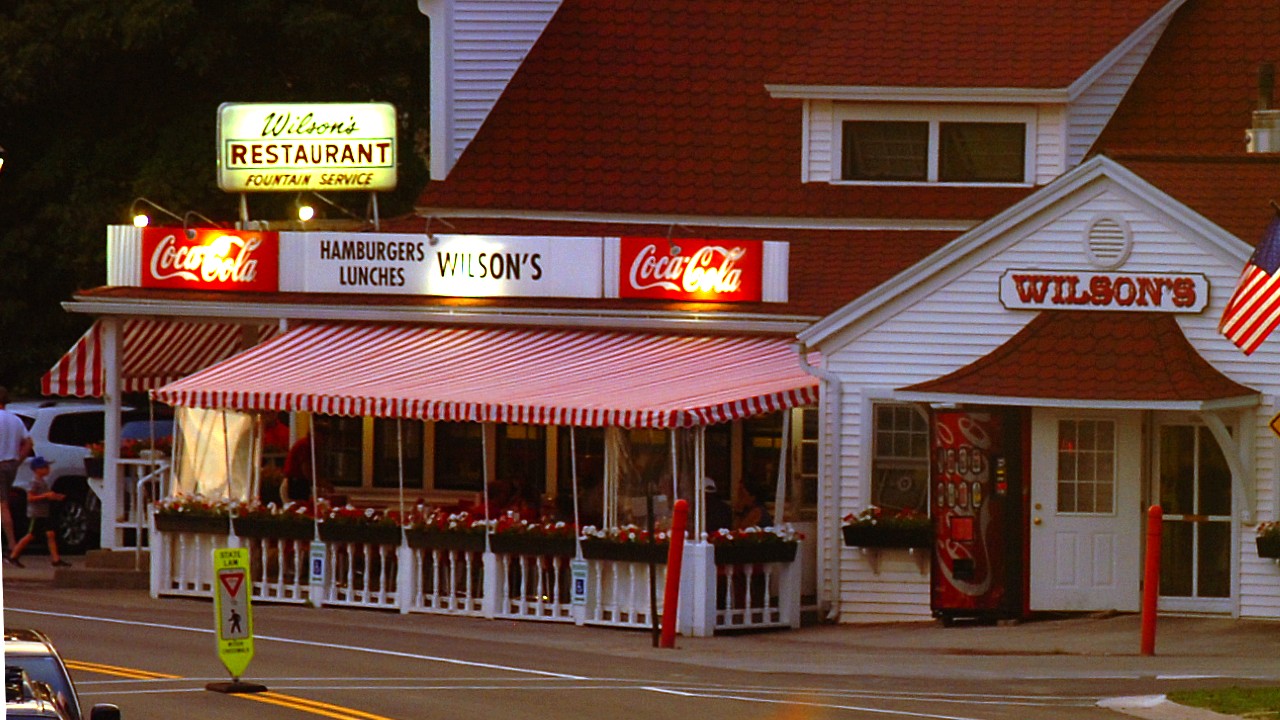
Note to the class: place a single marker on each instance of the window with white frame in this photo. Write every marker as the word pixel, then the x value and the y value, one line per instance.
pixel 902 144
pixel 900 457
pixel 1086 466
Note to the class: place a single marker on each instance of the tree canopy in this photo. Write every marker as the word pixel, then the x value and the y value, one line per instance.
pixel 104 101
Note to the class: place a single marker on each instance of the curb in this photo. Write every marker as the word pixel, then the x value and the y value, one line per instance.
pixel 1158 707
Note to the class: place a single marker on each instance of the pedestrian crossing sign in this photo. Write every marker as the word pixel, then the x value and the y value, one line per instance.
pixel 232 587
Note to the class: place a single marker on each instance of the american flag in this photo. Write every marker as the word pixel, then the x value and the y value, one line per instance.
pixel 1254 310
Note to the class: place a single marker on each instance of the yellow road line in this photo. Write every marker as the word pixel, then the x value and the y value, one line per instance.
pixel 314 707
pixel 129 673
pixel 311 706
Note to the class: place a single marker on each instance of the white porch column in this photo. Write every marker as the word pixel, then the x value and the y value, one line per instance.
pixel 405 589
pixel 698 590
pixel 111 500
pixel 489 603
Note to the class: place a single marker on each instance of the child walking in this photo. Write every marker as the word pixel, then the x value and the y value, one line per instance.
pixel 39 499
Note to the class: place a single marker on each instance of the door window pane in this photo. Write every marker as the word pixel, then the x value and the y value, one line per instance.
pixel 1215 477
pixel 1213 576
pixel 1086 466
pixel 1177 556
pixel 1178 469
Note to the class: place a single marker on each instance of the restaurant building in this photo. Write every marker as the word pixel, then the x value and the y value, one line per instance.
pixel 990 272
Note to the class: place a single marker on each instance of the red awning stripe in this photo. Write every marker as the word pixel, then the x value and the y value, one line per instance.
pixel 517 375
pixel 152 353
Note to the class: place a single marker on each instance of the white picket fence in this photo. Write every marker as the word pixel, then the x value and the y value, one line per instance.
pixel 489 585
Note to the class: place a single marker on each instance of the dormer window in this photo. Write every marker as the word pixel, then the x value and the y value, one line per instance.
pixel 982 146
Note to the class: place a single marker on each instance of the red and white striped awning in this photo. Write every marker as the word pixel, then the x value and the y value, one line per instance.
pixel 152 353
pixel 516 375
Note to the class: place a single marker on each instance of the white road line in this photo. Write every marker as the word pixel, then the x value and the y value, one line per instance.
pixel 269 638
pixel 828 706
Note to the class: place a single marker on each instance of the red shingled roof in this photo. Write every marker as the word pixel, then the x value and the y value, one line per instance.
pixel 1197 91
pixel 660 107
pixel 974 44
pixel 1182 124
pixel 1234 192
pixel 1085 355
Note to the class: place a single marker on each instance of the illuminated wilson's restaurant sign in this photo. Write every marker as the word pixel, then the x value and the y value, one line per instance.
pixel 697 270
pixel 1074 290
pixel 208 259
pixel 279 147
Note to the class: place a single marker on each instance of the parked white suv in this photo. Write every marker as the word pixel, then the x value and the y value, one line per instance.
pixel 61 430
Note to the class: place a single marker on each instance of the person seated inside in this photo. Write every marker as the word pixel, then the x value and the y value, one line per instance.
pixel 750 510
pixel 719 515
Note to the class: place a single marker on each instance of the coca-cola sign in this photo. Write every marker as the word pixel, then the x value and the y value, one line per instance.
pixel 210 259
pixel 684 269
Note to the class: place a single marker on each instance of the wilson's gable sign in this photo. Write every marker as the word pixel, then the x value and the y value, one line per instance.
pixel 1085 290
pixel 292 147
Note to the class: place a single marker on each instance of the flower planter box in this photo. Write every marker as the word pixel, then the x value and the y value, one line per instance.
pixel 93 467
pixel 878 536
pixel 638 552
pixel 751 553
pixel 1268 547
pixel 365 534
pixel 259 527
pixel 427 540
pixel 183 523
pixel 516 544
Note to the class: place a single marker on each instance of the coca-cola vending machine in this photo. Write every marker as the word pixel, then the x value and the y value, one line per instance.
pixel 976 483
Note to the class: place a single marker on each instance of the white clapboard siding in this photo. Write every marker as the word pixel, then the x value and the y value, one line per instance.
pixel 957 316
pixel 1094 106
pixel 476 48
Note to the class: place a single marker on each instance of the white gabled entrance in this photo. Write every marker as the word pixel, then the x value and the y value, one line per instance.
pixel 1085 510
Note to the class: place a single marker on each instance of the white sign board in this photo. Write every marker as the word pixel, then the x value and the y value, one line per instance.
pixel 446 265
pixel 292 147
pixel 1088 290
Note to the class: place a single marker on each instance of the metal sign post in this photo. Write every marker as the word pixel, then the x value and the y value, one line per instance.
pixel 233 617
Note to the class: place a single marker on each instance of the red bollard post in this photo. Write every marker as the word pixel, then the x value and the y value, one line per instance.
pixel 675 558
pixel 1151 580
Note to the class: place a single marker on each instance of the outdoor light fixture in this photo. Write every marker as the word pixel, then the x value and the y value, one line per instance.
pixel 307 211
pixel 142 219
pixel 186 222
pixel 1 158
pixel 432 240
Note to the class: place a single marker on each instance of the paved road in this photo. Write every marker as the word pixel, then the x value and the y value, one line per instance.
pixel 154 657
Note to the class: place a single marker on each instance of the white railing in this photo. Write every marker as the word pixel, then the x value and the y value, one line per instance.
pixel 493 585
pixel 278 568
pixel 447 582
pixel 361 575
pixel 532 587
pixel 618 594
pixel 182 563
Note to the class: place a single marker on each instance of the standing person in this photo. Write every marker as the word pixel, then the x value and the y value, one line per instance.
pixel 298 470
pixel 15 445
pixel 39 499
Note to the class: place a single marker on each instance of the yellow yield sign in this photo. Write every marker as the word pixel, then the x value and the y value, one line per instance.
pixel 231 589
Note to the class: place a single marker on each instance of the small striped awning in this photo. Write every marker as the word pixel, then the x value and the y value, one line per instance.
pixel 517 375
pixel 152 353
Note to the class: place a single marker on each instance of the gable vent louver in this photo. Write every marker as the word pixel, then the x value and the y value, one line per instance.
pixel 1108 243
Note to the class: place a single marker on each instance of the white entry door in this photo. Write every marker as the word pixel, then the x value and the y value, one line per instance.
pixel 1086 515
